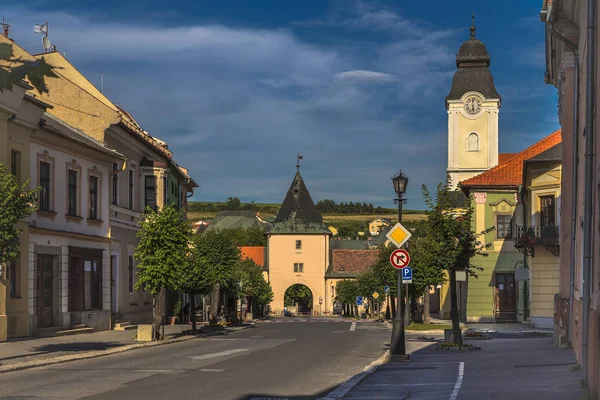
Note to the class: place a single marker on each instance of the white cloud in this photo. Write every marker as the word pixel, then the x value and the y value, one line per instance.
pixel 361 75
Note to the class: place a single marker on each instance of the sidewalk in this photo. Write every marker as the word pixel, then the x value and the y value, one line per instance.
pixel 516 369
pixel 31 352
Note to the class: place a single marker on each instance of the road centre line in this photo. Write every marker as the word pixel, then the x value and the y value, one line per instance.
pixel 459 379
pixel 219 354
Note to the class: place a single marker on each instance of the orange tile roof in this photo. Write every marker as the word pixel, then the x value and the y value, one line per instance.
pixel 255 253
pixel 510 172
pixel 504 157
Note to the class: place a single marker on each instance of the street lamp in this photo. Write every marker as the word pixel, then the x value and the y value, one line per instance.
pixel 397 344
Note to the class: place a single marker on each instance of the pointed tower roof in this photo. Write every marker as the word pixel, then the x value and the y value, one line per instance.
pixel 473 74
pixel 298 205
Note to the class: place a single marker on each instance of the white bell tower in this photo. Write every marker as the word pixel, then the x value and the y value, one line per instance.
pixel 473 105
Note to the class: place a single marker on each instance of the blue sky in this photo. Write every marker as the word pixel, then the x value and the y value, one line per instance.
pixel 357 87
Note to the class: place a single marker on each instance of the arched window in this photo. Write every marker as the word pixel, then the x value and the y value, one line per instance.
pixel 473 142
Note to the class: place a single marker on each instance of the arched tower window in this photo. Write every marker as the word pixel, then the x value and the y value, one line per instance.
pixel 473 142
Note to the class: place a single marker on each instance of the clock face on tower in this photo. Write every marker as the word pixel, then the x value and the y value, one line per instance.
pixel 473 105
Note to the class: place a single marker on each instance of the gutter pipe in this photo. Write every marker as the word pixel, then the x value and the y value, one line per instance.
pixel 588 179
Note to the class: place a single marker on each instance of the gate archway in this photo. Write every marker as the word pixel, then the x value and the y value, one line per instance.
pixel 301 295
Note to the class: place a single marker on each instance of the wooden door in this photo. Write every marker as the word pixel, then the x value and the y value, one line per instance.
pixel 75 284
pixel 506 298
pixel 45 291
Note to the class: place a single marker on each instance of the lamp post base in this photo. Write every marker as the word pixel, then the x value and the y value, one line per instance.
pixel 397 344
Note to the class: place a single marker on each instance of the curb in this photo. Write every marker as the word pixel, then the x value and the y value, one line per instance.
pixel 101 353
pixel 347 386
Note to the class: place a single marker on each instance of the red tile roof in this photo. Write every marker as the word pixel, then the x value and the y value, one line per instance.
pixel 350 263
pixel 504 157
pixel 255 253
pixel 510 172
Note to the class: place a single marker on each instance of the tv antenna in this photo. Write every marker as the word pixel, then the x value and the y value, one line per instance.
pixel 43 29
pixel 5 26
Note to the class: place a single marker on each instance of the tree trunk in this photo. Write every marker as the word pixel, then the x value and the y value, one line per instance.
pixel 426 302
pixel 193 310
pixel 388 313
pixel 214 301
pixel 456 332
pixel 393 304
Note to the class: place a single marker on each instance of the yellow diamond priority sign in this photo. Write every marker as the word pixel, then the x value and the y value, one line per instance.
pixel 375 295
pixel 398 235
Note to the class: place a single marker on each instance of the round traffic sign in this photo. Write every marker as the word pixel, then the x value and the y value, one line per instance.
pixel 399 258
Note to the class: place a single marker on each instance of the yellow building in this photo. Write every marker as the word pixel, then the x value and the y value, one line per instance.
pixel 299 253
pixel 20 114
pixel 541 183
pixel 378 225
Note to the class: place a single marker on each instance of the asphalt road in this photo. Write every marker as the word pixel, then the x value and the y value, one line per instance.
pixel 293 360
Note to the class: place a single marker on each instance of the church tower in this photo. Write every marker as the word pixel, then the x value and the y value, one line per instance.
pixel 473 105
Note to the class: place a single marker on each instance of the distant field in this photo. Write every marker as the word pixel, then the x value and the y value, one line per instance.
pixel 328 218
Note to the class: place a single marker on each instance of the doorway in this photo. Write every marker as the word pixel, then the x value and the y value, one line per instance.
pixel 45 291
pixel 114 270
pixel 506 297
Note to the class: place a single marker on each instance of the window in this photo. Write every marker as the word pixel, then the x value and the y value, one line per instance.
pixel 473 142
pixel 72 193
pixel 131 274
pixel 547 211
pixel 298 244
pixel 131 188
pixel 15 162
pixel 44 186
pixel 93 197
pixel 150 192
pixel 115 185
pixel 165 191
pixel 503 226
pixel 298 267
pixel 13 278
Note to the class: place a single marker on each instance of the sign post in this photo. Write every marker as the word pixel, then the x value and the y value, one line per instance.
pixel 400 259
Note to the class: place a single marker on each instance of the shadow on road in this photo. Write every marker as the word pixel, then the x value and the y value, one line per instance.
pixel 271 396
pixel 73 347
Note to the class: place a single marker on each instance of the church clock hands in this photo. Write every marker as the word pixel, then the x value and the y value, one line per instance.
pixel 473 105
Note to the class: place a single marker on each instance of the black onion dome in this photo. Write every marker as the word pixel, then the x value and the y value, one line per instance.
pixel 473 74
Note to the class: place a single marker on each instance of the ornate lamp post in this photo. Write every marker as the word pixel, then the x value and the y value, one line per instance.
pixel 397 344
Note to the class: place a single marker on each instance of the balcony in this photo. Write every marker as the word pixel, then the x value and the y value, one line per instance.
pixel 528 237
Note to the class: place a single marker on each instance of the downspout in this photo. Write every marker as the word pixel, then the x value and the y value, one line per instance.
pixel 523 194
pixel 574 190
pixel 589 176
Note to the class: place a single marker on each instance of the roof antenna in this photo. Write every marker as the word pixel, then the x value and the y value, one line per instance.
pixel 43 29
pixel 298 158
pixel 472 25
pixel 6 26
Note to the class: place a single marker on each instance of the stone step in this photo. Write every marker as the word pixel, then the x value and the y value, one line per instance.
pixel 52 332
pixel 77 326
pixel 125 327
pixel 46 332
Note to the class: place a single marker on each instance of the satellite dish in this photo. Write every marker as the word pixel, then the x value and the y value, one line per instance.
pixel 46 42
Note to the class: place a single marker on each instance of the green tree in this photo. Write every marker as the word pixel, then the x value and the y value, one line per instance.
pixel 194 277
pixel 16 203
pixel 162 252
pixel 346 292
pixel 426 271
pixel 219 250
pixel 13 70
pixel 254 236
pixel 297 294
pixel 251 284
pixel 163 247
pixel 451 229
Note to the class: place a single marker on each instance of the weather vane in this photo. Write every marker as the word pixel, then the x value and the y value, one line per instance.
pixel 298 158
